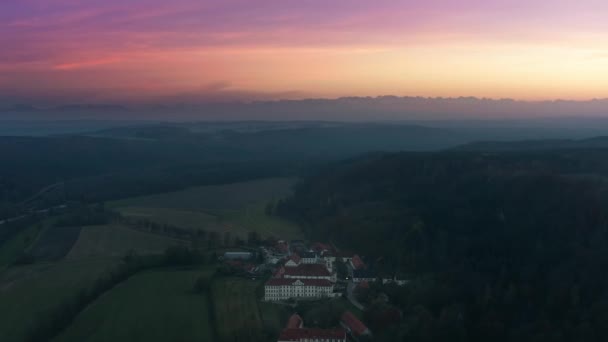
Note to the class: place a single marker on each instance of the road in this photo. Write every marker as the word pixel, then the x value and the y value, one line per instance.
pixel 350 294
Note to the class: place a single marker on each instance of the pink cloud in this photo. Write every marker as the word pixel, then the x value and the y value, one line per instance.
pixel 87 64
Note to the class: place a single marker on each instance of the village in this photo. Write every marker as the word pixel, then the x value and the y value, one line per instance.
pixel 298 271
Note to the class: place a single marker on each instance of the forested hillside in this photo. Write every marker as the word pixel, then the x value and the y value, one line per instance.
pixel 499 247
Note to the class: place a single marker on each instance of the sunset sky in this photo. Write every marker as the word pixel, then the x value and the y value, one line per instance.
pixel 216 50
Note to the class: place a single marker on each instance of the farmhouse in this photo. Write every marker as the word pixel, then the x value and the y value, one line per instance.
pixel 312 334
pixel 295 322
pixel 356 263
pixel 320 247
pixel 354 326
pixel 282 288
pixel 295 332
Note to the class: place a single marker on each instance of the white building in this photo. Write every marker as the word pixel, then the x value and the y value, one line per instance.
pixel 282 288
pixel 309 257
pixel 293 261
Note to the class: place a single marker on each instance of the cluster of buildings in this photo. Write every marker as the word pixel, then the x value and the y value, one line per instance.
pixel 301 277
pixel 309 271
pixel 350 327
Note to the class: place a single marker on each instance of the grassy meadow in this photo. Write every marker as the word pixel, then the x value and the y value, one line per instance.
pixel 238 208
pixel 13 248
pixel 31 293
pixel 115 240
pixel 157 305
pixel 154 305
pixel 239 313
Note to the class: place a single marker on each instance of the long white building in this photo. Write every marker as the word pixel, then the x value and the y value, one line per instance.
pixel 283 288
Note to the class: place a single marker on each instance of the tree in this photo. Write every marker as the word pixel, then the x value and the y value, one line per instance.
pixel 253 238
pixel 202 284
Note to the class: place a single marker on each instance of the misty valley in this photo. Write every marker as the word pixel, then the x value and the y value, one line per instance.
pixel 278 231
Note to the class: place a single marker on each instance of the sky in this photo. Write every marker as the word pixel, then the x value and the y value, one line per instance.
pixel 159 51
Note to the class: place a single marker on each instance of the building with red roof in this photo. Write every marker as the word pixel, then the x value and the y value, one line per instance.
pixel 357 263
pixel 294 260
pixel 320 247
pixel 295 322
pixel 353 325
pixel 308 271
pixel 312 334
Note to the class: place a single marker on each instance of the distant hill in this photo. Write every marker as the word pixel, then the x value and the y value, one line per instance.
pixel 536 145
pixel 360 109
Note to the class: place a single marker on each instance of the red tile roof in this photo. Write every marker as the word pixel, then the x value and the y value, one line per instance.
pixel 295 322
pixel 307 270
pixel 312 333
pixel 295 258
pixel 353 323
pixel 279 272
pixel 357 262
pixel 319 247
pixel 306 282
pixel 364 285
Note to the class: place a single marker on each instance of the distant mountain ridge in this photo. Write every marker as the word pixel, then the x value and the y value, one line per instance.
pixel 536 145
pixel 341 109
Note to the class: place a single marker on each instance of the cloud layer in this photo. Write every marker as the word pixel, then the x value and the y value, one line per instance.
pixel 141 51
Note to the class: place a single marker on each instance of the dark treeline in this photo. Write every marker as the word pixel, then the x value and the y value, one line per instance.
pixel 38 173
pixel 499 247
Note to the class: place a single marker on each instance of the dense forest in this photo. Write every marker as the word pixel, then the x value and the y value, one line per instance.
pixel 508 246
pixel 38 172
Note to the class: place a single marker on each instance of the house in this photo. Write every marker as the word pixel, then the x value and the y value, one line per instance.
pixel 309 257
pixel 356 263
pixel 329 259
pixel 293 261
pixel 363 275
pixel 277 289
pixel 313 334
pixel 354 326
pixel 295 322
pixel 238 255
pixel 320 248
pixel 295 332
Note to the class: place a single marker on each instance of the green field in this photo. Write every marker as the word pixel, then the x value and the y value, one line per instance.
pixel 154 305
pixel 215 197
pixel 239 314
pixel 29 294
pixel 238 208
pixel 151 306
pixel 177 217
pixel 116 241
pixel 13 248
